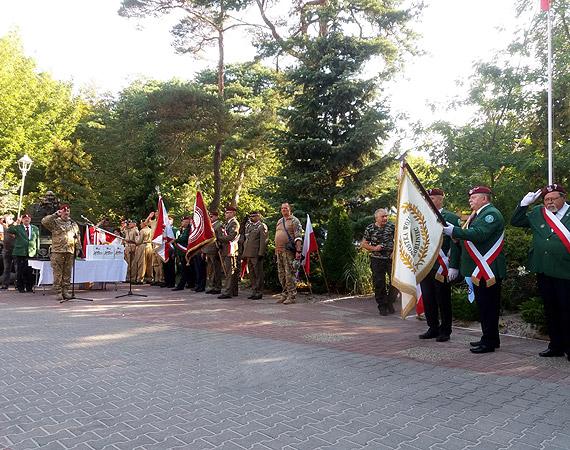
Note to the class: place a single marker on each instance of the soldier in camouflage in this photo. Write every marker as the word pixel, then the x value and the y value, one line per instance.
pixel 379 241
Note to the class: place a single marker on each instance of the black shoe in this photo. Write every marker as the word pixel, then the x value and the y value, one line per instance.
pixel 478 343
pixel 548 353
pixel 252 297
pixel 391 309
pixel 482 349
pixel 442 338
pixel 3 288
pixel 224 296
pixel 257 297
pixel 429 334
pixel 383 312
pixel 177 288
pixel 200 290
pixel 21 291
pixel 162 285
pixel 215 291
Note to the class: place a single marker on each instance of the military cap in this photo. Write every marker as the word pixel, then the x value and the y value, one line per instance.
pixel 434 191
pixel 552 188
pixel 479 190
pixel 230 208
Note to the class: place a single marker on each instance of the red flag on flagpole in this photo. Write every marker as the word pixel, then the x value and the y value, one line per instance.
pixel 163 233
pixel 309 244
pixel 202 233
pixel 86 241
pixel 545 5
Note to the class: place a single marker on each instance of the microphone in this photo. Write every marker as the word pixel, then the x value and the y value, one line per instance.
pixel 86 219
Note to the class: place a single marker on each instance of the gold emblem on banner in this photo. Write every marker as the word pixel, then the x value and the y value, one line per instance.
pixel 414 240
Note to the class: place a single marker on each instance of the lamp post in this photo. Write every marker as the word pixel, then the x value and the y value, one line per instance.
pixel 24 163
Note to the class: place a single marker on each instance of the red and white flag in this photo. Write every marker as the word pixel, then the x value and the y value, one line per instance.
pixel 545 5
pixel 202 233
pixel 309 245
pixel 163 233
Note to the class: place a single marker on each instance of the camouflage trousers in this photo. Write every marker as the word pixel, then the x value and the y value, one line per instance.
pixel 61 264
pixel 287 276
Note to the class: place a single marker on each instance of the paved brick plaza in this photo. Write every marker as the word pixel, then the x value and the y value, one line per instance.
pixel 186 370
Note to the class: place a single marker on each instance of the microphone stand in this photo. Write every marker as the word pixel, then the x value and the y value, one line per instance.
pixel 73 297
pixel 130 293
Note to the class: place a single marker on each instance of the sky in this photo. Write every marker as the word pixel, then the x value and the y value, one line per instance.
pixel 87 42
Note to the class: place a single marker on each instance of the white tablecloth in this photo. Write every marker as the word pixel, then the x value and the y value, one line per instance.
pixel 103 270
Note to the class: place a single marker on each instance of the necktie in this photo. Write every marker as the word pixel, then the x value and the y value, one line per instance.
pixel 472 219
pixel 28 231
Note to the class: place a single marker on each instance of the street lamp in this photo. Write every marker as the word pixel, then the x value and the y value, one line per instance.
pixel 24 163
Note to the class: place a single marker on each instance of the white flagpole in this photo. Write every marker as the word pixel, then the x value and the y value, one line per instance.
pixel 550 159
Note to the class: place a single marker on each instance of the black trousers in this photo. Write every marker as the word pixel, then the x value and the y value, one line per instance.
pixel 200 273
pixel 437 300
pixel 187 274
pixel 384 294
pixel 24 274
pixel 488 300
pixel 169 269
pixel 555 294
pixel 7 258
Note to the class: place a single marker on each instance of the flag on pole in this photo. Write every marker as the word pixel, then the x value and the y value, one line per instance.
pixel 545 5
pixel 163 233
pixel 87 240
pixel 202 232
pixel 416 243
pixel 309 245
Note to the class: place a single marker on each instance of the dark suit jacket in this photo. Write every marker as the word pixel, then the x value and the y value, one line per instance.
pixel 25 246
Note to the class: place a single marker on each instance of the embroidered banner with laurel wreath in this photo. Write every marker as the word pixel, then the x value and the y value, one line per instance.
pixel 417 242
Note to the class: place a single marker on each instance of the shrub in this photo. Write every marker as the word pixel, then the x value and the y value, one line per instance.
pixel 461 308
pixel 532 311
pixel 338 251
pixel 359 275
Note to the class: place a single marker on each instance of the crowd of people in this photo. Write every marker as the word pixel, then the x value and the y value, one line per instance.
pixel 475 251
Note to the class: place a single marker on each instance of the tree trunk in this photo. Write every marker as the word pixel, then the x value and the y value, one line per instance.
pixel 239 185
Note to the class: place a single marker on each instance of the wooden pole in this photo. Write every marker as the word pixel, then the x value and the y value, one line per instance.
pixel 424 193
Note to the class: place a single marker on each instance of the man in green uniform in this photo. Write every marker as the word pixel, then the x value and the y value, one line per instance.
pixel 436 286
pixel 65 243
pixel 549 258
pixel 256 240
pixel 229 249
pixel 26 246
pixel 483 260
pixel 213 257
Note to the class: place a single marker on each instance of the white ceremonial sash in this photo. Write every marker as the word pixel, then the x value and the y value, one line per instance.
pixel 443 270
pixel 558 227
pixel 483 270
pixel 232 245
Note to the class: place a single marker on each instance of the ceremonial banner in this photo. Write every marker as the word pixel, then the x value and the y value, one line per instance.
pixel 202 233
pixel 309 245
pixel 163 233
pixel 545 5
pixel 417 241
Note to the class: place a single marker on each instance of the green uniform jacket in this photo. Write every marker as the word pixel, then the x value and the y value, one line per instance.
pixel 24 246
pixel 483 232
pixel 547 253
pixel 182 239
pixel 448 243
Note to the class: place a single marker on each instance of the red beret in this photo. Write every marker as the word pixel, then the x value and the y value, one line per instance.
pixel 213 213
pixel 230 208
pixel 434 191
pixel 552 188
pixel 26 215
pixel 64 207
pixel 187 218
pixel 479 190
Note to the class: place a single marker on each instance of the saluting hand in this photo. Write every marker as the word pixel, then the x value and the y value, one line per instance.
pixel 530 198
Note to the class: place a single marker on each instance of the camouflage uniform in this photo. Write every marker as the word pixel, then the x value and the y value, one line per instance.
pixel 65 241
pixel 381 263
pixel 286 257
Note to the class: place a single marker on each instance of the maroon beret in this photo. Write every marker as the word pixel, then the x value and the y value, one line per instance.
pixel 230 208
pixel 64 207
pixel 187 218
pixel 552 188
pixel 26 215
pixel 213 213
pixel 434 191
pixel 479 190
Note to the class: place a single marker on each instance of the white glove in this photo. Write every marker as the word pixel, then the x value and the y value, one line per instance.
pixel 448 229
pixel 453 274
pixel 530 198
